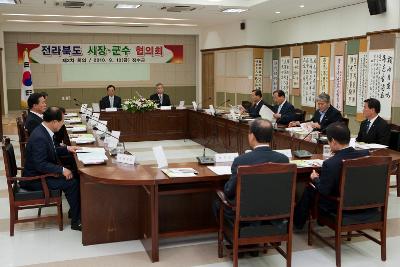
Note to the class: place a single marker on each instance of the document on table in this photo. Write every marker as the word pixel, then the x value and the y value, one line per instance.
pixel 73 120
pixel 82 138
pixel 91 155
pixel 220 170
pixel 77 128
pixel 180 172
pixel 308 163
pixel 370 146
pixel 67 115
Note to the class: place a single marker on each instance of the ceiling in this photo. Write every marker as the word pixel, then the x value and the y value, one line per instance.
pixel 153 12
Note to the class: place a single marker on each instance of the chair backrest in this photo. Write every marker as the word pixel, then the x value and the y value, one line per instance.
pixel 9 158
pixel 22 133
pixel 346 121
pixel 364 182
pixel 300 114
pixel 265 191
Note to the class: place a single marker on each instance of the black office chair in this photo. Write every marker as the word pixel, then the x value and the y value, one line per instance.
pixel 264 207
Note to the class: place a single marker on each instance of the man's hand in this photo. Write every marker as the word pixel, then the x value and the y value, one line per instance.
pixel 314 175
pixel 277 116
pixel 242 109
pixel 67 173
pixel 294 123
pixel 73 149
pixel 316 125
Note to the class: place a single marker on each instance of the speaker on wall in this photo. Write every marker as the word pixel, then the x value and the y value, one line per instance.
pixel 376 7
pixel 242 25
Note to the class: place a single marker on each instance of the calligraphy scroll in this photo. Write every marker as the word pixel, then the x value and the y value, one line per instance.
pixel 284 75
pixel 324 75
pixel 275 74
pixel 308 80
pixel 338 83
pixel 351 80
pixel 296 73
pixel 380 79
pixel 362 83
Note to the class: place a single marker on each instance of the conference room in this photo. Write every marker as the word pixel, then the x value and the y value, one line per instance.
pixel 200 133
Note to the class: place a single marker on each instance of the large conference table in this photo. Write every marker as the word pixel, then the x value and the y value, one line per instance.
pixel 125 202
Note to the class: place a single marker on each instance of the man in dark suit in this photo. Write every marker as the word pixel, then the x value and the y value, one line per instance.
pixel 260 136
pixel 41 158
pixel 324 115
pixel 327 182
pixel 257 103
pixel 37 105
pixel 284 111
pixel 374 129
pixel 110 100
pixel 160 98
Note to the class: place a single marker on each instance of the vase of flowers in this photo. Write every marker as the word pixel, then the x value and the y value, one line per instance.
pixel 138 105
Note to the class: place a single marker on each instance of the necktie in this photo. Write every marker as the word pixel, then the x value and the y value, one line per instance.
pixel 111 102
pixel 367 126
pixel 160 96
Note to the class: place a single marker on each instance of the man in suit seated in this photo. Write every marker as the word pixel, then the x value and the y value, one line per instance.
pixel 37 105
pixel 159 97
pixel 327 181
pixel 324 115
pixel 110 100
pixel 260 136
pixel 284 111
pixel 257 103
pixel 374 129
pixel 41 158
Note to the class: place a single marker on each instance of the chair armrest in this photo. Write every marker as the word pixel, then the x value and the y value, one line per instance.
pixel 224 200
pixel 31 178
pixel 332 198
pixel 20 168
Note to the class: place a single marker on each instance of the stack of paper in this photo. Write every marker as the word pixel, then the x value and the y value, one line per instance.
pixel 369 146
pixel 91 155
pixel 77 128
pixel 73 120
pixel 68 115
pixel 294 129
pixel 82 138
pixel 180 172
pixel 308 163
pixel 220 170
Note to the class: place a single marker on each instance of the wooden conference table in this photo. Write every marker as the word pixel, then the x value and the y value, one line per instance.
pixel 124 202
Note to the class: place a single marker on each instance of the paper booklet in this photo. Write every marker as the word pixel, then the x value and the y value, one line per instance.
pixel 267 113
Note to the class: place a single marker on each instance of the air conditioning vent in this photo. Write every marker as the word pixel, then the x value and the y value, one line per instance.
pixel 178 8
pixel 73 4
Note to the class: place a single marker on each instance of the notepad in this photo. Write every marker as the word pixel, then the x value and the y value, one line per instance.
pixel 180 172
pixel 220 170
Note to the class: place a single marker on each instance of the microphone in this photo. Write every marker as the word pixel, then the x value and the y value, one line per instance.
pixel 223 103
pixel 138 94
pixel 303 153
pixel 108 134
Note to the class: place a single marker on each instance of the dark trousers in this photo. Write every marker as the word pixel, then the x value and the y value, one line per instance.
pixel 70 189
pixel 228 213
pixel 302 209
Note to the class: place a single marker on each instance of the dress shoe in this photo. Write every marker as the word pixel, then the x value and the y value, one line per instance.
pixel 76 226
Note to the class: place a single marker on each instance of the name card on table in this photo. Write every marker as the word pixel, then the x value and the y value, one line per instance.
pixel 88 112
pixel 160 157
pixel 111 109
pixel 194 105
pixel 96 107
pixel 127 159
pixel 94 119
pixel 225 157
pixel 166 107
pixel 102 126
pixel 83 108
pixel 113 140
pixel 181 105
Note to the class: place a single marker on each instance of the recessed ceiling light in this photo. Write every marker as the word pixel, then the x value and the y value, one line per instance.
pixel 277 12
pixel 8 2
pixel 234 10
pixel 126 6
pixel 301 6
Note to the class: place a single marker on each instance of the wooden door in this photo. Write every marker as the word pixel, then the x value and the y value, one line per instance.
pixel 207 79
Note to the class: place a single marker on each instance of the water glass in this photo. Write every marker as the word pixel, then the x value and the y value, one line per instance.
pixel 326 152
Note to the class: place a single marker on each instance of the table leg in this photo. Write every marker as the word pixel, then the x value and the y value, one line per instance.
pixel 151 235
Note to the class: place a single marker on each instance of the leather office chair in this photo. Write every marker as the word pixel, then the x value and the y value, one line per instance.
pixel 361 203
pixel 22 138
pixel 300 115
pixel 264 207
pixel 346 121
pixel 21 199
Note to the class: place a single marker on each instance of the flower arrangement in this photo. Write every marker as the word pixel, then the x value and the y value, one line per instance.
pixel 138 105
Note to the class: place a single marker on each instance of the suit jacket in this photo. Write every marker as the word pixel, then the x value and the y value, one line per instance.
pixel 254 111
pixel 165 100
pixel 258 155
pixel 379 132
pixel 105 102
pixel 287 112
pixel 32 121
pixel 331 115
pixel 41 155
pixel 328 181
